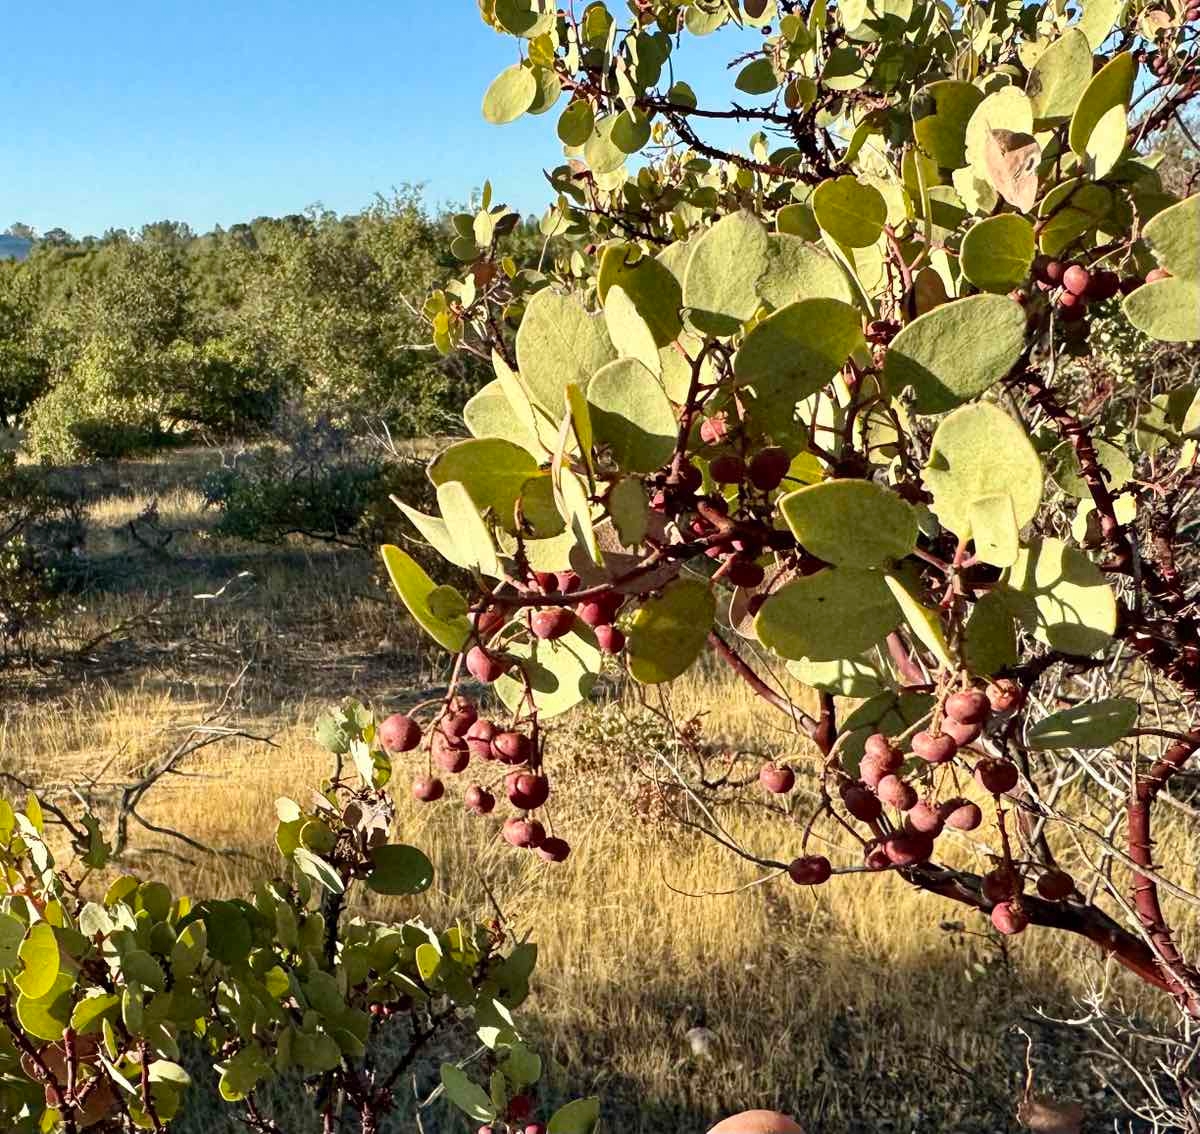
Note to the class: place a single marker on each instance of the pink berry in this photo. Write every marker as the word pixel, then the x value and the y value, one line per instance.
pixel 995 775
pixel 428 789
pixel 1010 918
pixel 479 800
pixel 777 780
pixel 399 733
pixel 811 870
pixel 552 623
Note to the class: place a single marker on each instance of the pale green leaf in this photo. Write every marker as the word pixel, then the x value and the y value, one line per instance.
pixel 852 523
pixel 1095 724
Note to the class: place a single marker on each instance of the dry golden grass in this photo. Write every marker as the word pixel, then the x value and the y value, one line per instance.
pixel 862 1006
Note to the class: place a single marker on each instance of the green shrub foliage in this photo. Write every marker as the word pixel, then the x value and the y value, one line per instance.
pixel 101 998
pixel 830 403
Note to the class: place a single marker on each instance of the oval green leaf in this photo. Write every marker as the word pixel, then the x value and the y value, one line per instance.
pixel 852 523
pixel 669 631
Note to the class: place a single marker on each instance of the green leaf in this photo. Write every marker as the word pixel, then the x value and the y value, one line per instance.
pixel 670 630
pixel 601 151
pixel 40 961
pixel 994 529
pixel 1106 145
pixel 1059 77
pixel 437 533
pixel 526 18
pixel 466 527
pixel 489 413
pixel 978 451
pixel 852 523
pixel 415 589
pixel 47 1017
pixel 990 636
pixel 1098 19
pixel 757 77
pixel 493 472
pixel 138 965
pixel 242 1073
pixel 399 869
pixel 1167 310
pixel 469 1097
pixel 1071 209
pixel 940 113
pixel 632 415
pixel 561 673
pixel 924 623
pixel 318 870
pixel 559 342
pixel 1174 234
pixel 848 677
pixel 1063 597
pixel 1009 109
pixel 956 351
pixel 229 935
pixel 1096 724
pixel 630 510
pixel 998 252
pixel 799 270
pixel 510 94
pixel 631 131
pixel 12 933
pixel 578 1117
pixel 1110 87
pixel 630 333
pixel 95 1007
pixel 851 212
pixel 652 287
pixel 794 352
pixel 840 612
pixel 720 286
pixel 576 123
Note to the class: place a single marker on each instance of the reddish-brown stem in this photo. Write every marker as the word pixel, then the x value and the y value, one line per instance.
pixel 739 666
pixel 1181 979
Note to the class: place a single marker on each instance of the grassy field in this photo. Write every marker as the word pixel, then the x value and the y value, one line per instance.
pixel 865 1006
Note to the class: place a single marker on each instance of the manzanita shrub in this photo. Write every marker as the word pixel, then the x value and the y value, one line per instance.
pixel 826 402
pixel 101 999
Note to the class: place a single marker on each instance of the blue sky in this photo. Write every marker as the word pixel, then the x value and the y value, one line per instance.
pixel 212 112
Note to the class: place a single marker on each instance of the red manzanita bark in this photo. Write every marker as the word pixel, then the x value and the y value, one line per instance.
pixel 1182 980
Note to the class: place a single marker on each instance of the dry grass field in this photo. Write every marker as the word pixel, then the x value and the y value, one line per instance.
pixel 865 1006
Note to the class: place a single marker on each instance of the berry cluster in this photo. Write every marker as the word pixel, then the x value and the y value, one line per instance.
pixel 905 815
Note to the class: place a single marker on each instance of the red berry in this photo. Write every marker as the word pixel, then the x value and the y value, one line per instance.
pixel 1077 279
pixel 610 639
pixel 896 792
pixel 1104 285
pixel 512 747
pixel 713 430
pixel 962 814
pixel 995 775
pixel 1010 918
pixel 535 1128
pixel 728 470
pixel 551 623
pixel 907 848
pixel 520 1107
pixel 1001 884
pixel 861 803
pixel 428 789
pixel 399 733
pixel 450 753
pixel 486 623
pixel 878 745
pixel 479 800
pixel 547 582
pixel 598 611
pixel 479 740
pixel 777 780
pixel 1071 308
pixel 459 716
pixel 554 850
pixel 875 857
pixel 744 572
pixel 768 468
pixel 811 870
pixel 934 747
pixel 1005 695
pixel 1053 271
pixel 1056 885
pixel 484 666
pixel 690 478
pixel 969 707
pixel 568 581
pixel 925 818
pixel 526 790
pixel 1156 274
pixel 523 833
pixel 875 766
pixel 962 734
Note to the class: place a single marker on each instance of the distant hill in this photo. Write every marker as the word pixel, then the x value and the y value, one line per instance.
pixel 14 247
